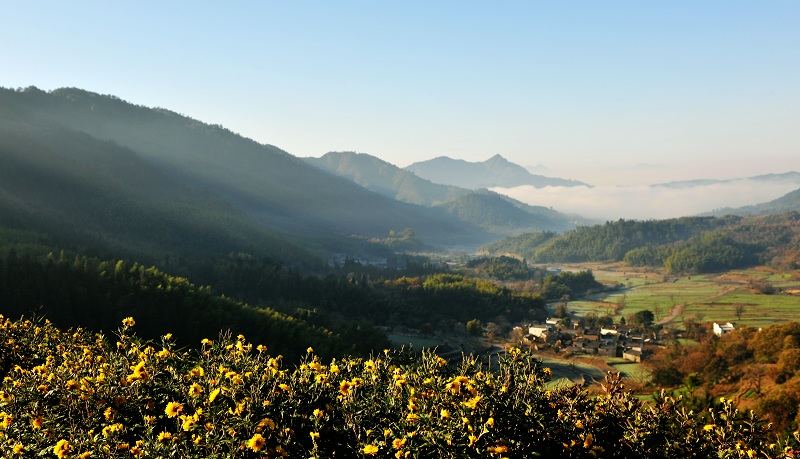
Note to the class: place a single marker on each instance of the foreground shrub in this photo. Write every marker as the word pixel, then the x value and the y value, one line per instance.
pixel 73 394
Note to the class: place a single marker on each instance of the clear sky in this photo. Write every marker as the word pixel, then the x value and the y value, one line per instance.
pixel 623 92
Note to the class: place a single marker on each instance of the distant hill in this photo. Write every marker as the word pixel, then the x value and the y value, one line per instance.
pixel 494 172
pixel 482 208
pixel 123 161
pixel 686 244
pixel 386 179
pixel 499 214
pixel 790 177
pixel 786 203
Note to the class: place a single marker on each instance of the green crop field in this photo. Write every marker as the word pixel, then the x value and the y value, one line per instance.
pixel 706 298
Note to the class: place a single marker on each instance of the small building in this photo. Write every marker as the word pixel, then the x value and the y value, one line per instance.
pixel 632 355
pixel 723 329
pixel 543 332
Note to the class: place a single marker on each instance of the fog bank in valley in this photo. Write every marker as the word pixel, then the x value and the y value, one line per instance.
pixel 644 202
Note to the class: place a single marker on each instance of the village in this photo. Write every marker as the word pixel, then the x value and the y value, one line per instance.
pixel 634 343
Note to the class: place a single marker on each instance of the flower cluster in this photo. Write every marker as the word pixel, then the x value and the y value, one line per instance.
pixel 71 394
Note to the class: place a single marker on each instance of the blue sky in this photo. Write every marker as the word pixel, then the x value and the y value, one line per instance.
pixel 604 92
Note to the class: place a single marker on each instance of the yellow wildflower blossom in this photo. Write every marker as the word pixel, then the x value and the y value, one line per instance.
pixel 370 449
pixel 195 390
pixel 256 443
pixel 62 448
pixel 173 409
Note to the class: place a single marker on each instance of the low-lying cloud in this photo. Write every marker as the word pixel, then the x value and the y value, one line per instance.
pixel 648 201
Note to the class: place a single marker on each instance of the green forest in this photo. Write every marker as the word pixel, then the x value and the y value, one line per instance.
pixel 681 245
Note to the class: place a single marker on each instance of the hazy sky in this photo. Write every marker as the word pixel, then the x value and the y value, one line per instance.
pixel 605 92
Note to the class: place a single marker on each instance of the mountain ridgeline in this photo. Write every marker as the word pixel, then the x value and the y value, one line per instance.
pixel 481 208
pixel 494 172
pixel 93 168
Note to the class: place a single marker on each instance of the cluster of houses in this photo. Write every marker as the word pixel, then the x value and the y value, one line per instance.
pixel 613 341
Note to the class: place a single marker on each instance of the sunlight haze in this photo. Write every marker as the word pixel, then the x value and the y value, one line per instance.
pixel 622 93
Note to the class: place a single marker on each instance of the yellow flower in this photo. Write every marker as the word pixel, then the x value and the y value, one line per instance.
pixel 412 417
pixel 499 449
pixel 188 422
pixel 62 448
pixel 128 322
pixel 7 420
pixel 195 390
pixel 588 440
pixel 314 435
pixel 37 422
pixel 310 350
pixel 256 443
pixel 444 414
pixel 472 440
pixel 399 443
pixel 173 409
pixel 18 448
pixel 197 372
pixel 111 429
pixel 473 402
pixel 213 395
pixel 268 423
pixel 318 413
pixel 344 387
pixel 579 424
pixel 164 436
pixel 708 427
pixel 490 422
pixel 370 449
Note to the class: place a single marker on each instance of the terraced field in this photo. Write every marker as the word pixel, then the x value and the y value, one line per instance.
pixel 706 298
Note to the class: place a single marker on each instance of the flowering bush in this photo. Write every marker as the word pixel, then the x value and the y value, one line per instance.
pixel 73 394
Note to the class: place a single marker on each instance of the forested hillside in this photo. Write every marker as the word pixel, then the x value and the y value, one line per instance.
pixel 787 203
pixel 688 244
pixel 186 170
pixel 85 292
pixel 499 214
pixel 757 367
pixel 85 192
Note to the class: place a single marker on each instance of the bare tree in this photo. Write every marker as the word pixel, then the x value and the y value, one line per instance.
pixel 738 309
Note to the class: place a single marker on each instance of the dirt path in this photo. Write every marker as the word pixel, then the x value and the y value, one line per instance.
pixel 678 308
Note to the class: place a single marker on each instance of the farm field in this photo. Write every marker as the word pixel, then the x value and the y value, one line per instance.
pixel 705 298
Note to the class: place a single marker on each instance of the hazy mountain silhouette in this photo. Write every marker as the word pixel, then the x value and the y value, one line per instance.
pixel 791 177
pixel 788 202
pixel 386 179
pixel 482 208
pixel 494 172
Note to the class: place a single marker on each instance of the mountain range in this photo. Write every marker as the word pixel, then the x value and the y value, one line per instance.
pixel 488 210
pixel 95 171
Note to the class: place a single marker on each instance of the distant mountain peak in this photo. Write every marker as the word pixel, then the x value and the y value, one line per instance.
pixel 496 171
